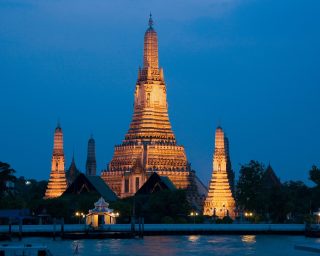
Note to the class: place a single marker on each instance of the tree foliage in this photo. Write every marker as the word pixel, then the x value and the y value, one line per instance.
pixel 6 174
pixel 291 201
pixel 297 199
pixel 160 207
pixel 269 202
pixel 314 175
pixel 249 184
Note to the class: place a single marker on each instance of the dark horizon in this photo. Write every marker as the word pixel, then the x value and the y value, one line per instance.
pixel 248 66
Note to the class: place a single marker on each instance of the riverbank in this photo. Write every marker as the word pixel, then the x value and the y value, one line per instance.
pixel 126 231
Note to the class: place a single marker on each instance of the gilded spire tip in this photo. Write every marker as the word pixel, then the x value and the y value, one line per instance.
pixel 150 20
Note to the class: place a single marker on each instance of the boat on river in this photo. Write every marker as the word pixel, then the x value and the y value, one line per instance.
pixel 24 250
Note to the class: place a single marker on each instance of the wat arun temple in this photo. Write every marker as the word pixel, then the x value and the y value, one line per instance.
pixel 150 146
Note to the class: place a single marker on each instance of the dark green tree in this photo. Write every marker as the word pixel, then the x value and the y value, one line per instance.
pixel 248 190
pixel 7 196
pixel 297 200
pixel 6 174
pixel 274 204
pixel 161 207
pixel 314 175
pixel 166 203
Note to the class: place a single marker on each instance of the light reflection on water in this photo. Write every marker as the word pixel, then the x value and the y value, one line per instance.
pixel 221 245
pixel 248 239
pixel 193 238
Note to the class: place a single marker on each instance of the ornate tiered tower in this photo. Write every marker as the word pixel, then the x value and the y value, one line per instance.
pixel 220 201
pixel 91 164
pixel 149 145
pixel 57 183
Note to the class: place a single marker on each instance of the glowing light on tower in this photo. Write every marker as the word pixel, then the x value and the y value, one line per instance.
pixel 220 201
pixel 149 145
pixel 57 183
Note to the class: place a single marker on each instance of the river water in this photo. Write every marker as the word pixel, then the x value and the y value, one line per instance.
pixel 181 245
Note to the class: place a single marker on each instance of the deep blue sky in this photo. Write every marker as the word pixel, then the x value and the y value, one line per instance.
pixel 251 66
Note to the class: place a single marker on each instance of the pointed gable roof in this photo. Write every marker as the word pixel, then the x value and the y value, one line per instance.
pixel 72 172
pixel 84 183
pixel 156 183
pixel 270 179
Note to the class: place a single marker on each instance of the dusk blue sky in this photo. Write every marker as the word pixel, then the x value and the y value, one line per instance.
pixel 251 66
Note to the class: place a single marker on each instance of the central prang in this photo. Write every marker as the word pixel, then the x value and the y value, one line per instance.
pixel 149 145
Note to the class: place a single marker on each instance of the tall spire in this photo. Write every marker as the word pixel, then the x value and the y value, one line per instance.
pixel 57 183
pixel 150 117
pixel 220 201
pixel 149 145
pixel 150 21
pixel 150 55
pixel 73 171
pixel 58 141
pixel 91 164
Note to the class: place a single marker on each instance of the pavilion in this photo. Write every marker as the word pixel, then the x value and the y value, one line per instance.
pixel 101 214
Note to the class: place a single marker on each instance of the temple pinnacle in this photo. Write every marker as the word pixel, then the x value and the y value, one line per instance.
pixel 57 183
pixel 149 145
pixel 91 164
pixel 150 20
pixel 150 52
pixel 219 201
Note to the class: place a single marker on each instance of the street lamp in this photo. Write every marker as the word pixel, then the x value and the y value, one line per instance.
pixel 115 215
pixel 194 214
pixel 248 215
pixel 79 215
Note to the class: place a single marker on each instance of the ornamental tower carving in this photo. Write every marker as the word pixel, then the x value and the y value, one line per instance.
pixel 220 201
pixel 57 183
pixel 149 145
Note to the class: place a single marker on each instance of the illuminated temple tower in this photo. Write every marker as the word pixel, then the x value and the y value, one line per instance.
pixel 57 183
pixel 220 201
pixel 91 164
pixel 149 145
